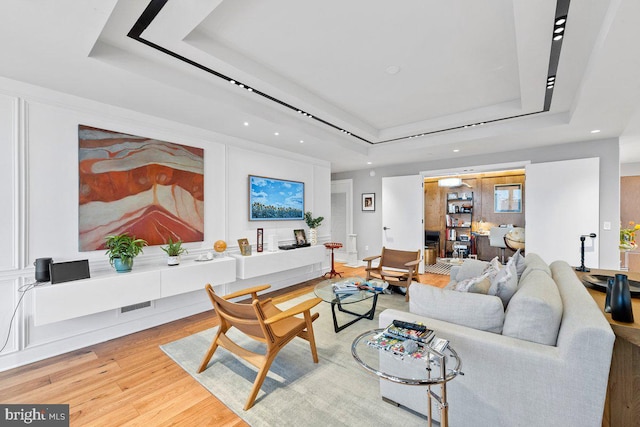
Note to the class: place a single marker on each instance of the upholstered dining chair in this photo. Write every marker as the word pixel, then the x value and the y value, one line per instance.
pixel 396 267
pixel 496 239
pixel 264 322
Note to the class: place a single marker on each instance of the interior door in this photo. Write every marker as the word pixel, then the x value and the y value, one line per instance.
pixel 562 202
pixel 402 213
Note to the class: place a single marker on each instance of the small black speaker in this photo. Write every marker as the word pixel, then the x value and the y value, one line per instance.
pixel 68 271
pixel 42 269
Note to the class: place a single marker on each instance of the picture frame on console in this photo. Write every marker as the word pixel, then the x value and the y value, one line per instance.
pixel 245 247
pixel 369 202
pixel 300 236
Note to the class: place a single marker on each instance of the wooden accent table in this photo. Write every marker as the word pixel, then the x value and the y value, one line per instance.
pixel 622 407
pixel 333 273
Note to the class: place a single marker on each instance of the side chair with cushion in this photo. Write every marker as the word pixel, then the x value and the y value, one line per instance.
pixel 264 322
pixel 399 268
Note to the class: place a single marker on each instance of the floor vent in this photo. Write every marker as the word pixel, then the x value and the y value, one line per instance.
pixel 135 307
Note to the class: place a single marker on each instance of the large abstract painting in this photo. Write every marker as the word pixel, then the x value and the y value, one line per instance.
pixel 275 199
pixel 151 189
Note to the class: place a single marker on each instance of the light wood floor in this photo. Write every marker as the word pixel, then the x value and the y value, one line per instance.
pixel 130 381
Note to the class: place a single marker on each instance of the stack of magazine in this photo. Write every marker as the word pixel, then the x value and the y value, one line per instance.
pixel 394 336
pixel 345 288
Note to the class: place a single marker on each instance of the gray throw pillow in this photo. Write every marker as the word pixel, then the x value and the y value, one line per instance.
pixel 518 260
pixel 504 283
pixel 471 268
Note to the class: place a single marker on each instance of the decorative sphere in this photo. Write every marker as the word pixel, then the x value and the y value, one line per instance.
pixel 515 238
pixel 220 246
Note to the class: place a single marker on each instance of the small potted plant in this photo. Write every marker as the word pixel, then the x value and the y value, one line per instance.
pixel 313 224
pixel 174 250
pixel 122 249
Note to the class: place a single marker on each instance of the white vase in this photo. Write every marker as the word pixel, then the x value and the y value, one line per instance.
pixel 313 236
pixel 173 260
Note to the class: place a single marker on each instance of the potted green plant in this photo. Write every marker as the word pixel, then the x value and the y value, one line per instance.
pixel 174 250
pixel 313 224
pixel 122 249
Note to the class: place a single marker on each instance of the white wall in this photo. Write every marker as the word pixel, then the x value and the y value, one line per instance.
pixel 607 150
pixel 242 162
pixel 39 213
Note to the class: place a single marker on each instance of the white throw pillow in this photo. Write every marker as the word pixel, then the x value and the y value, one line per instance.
pixel 474 284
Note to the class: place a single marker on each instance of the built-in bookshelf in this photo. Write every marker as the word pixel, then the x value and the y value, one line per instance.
pixel 458 221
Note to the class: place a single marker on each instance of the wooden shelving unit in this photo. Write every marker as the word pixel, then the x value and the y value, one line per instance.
pixel 458 221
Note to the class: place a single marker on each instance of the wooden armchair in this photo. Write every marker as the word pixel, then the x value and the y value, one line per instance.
pixel 262 321
pixel 398 268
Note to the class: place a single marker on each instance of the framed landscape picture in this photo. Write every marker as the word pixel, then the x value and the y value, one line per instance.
pixel 272 199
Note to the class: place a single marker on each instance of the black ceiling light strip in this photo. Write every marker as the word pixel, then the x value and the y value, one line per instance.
pixel 155 6
pixel 559 27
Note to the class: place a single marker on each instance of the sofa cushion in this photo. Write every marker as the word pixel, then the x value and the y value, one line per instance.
pixel 482 312
pixel 535 310
pixel 533 262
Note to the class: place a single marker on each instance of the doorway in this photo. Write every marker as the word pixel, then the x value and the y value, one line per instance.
pixel 341 216
pixel 460 209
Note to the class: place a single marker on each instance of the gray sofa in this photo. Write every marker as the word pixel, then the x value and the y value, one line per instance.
pixel 543 360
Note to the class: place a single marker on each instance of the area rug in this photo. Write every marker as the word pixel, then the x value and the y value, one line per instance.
pixel 335 392
pixel 438 268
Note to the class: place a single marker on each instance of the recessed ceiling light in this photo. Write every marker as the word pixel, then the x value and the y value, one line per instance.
pixel 301 141
pixel 558 37
pixel 368 163
pixel 456 150
pixel 393 69
pixel 595 131
pixel 558 30
pixel 246 123
pixel 561 21
pixel 276 133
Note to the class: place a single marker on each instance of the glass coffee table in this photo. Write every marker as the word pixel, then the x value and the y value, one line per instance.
pixel 325 290
pixel 410 369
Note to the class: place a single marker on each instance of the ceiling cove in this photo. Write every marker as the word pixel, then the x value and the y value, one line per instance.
pixel 560 19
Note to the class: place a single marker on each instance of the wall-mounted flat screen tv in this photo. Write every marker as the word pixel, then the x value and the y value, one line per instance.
pixel 272 199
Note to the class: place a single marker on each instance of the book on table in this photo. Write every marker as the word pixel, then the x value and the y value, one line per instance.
pixel 345 288
pixel 404 330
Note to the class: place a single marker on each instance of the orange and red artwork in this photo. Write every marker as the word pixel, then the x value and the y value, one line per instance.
pixel 151 189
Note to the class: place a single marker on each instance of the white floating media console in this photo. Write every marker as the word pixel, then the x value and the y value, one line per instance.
pixel 108 291
pixel 263 263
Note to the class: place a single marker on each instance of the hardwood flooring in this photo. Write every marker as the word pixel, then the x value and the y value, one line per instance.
pixel 129 381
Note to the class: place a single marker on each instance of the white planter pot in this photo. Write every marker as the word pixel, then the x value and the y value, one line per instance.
pixel 173 260
pixel 313 236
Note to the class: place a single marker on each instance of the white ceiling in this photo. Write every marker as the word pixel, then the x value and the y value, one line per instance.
pixel 456 63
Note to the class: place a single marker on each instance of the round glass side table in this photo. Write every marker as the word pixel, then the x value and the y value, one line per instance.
pixel 424 367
